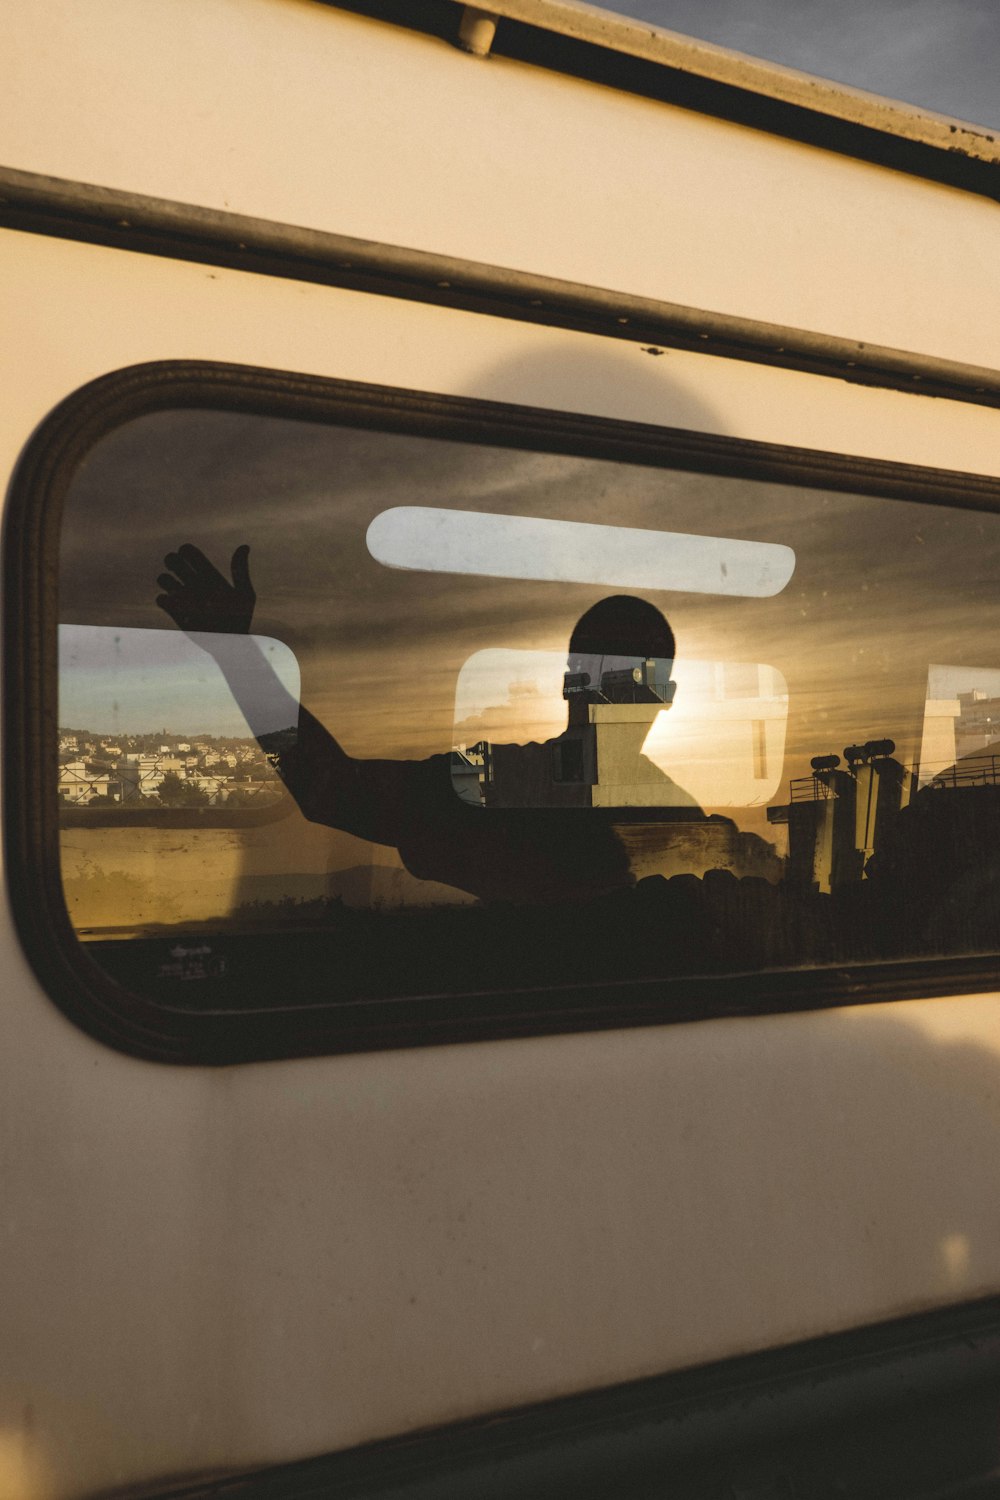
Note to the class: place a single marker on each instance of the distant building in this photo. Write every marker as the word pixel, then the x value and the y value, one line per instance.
pixel 471 769
pixel 99 768
pixel 598 762
pixel 978 724
pixel 840 815
pixel 81 784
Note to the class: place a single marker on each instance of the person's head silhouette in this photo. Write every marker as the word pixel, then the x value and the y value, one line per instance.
pixel 621 651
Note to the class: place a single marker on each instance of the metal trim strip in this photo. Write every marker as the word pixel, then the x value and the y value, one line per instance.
pixel 134 222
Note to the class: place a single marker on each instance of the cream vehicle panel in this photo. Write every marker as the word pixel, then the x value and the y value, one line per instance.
pixel 214 1268
pixel 294 111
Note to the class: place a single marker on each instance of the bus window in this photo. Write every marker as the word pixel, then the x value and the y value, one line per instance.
pixel 556 737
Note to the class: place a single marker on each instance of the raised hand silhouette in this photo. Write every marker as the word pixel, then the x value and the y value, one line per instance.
pixel 530 846
pixel 197 597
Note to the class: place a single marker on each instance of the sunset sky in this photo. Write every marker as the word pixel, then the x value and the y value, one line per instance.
pixel 880 590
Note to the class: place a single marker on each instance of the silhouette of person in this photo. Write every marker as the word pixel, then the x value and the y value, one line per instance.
pixel 618 681
pixel 543 839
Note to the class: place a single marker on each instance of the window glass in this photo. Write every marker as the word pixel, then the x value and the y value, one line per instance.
pixel 471 718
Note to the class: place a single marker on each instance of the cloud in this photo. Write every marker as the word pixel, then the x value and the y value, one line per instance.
pixel 881 588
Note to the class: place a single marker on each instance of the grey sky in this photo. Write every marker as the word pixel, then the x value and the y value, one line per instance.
pixel 943 55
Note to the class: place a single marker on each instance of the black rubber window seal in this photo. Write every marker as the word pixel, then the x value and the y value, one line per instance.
pixel 145 1028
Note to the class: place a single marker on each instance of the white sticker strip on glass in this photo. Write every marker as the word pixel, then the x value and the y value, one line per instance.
pixel 425 538
pixel 719 741
pixel 123 681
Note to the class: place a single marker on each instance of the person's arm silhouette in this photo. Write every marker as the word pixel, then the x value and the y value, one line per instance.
pixel 198 598
pixel 363 797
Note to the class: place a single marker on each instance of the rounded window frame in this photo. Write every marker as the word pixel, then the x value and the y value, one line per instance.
pixel 145 1028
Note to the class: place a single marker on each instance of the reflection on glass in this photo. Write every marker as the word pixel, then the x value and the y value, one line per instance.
pixel 498 546
pixel 147 719
pixel 961 735
pixel 502 771
pixel 721 744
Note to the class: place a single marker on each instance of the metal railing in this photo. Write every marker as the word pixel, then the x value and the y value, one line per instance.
pixel 982 770
pixel 810 789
